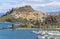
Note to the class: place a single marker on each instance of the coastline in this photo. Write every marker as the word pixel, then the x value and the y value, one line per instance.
pixel 58 29
pixel 28 28
pixel 35 29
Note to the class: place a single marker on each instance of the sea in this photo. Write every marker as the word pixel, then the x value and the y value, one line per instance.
pixel 16 34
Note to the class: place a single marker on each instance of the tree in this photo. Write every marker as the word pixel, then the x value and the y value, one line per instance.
pixel 8 20
pixel 51 20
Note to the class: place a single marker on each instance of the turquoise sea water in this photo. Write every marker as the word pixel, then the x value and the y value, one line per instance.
pixel 16 34
pixel 5 24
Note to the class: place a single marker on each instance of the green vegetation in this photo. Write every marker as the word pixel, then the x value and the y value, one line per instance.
pixel 9 18
pixel 24 9
pixel 52 21
pixel 3 19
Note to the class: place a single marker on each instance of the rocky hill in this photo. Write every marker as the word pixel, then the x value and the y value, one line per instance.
pixel 25 12
pixel 24 9
pixel 28 16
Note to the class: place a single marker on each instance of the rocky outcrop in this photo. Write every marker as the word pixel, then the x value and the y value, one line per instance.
pixel 28 13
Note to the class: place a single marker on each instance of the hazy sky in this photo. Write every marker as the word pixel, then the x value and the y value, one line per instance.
pixel 41 5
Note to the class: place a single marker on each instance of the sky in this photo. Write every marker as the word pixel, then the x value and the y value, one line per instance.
pixel 40 5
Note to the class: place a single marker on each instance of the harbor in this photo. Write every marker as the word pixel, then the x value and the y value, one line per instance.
pixel 32 33
pixel 20 34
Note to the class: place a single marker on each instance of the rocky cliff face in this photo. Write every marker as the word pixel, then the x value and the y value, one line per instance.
pixel 28 13
pixel 25 12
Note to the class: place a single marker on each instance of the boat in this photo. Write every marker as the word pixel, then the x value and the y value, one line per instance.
pixel 47 32
pixel 46 37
